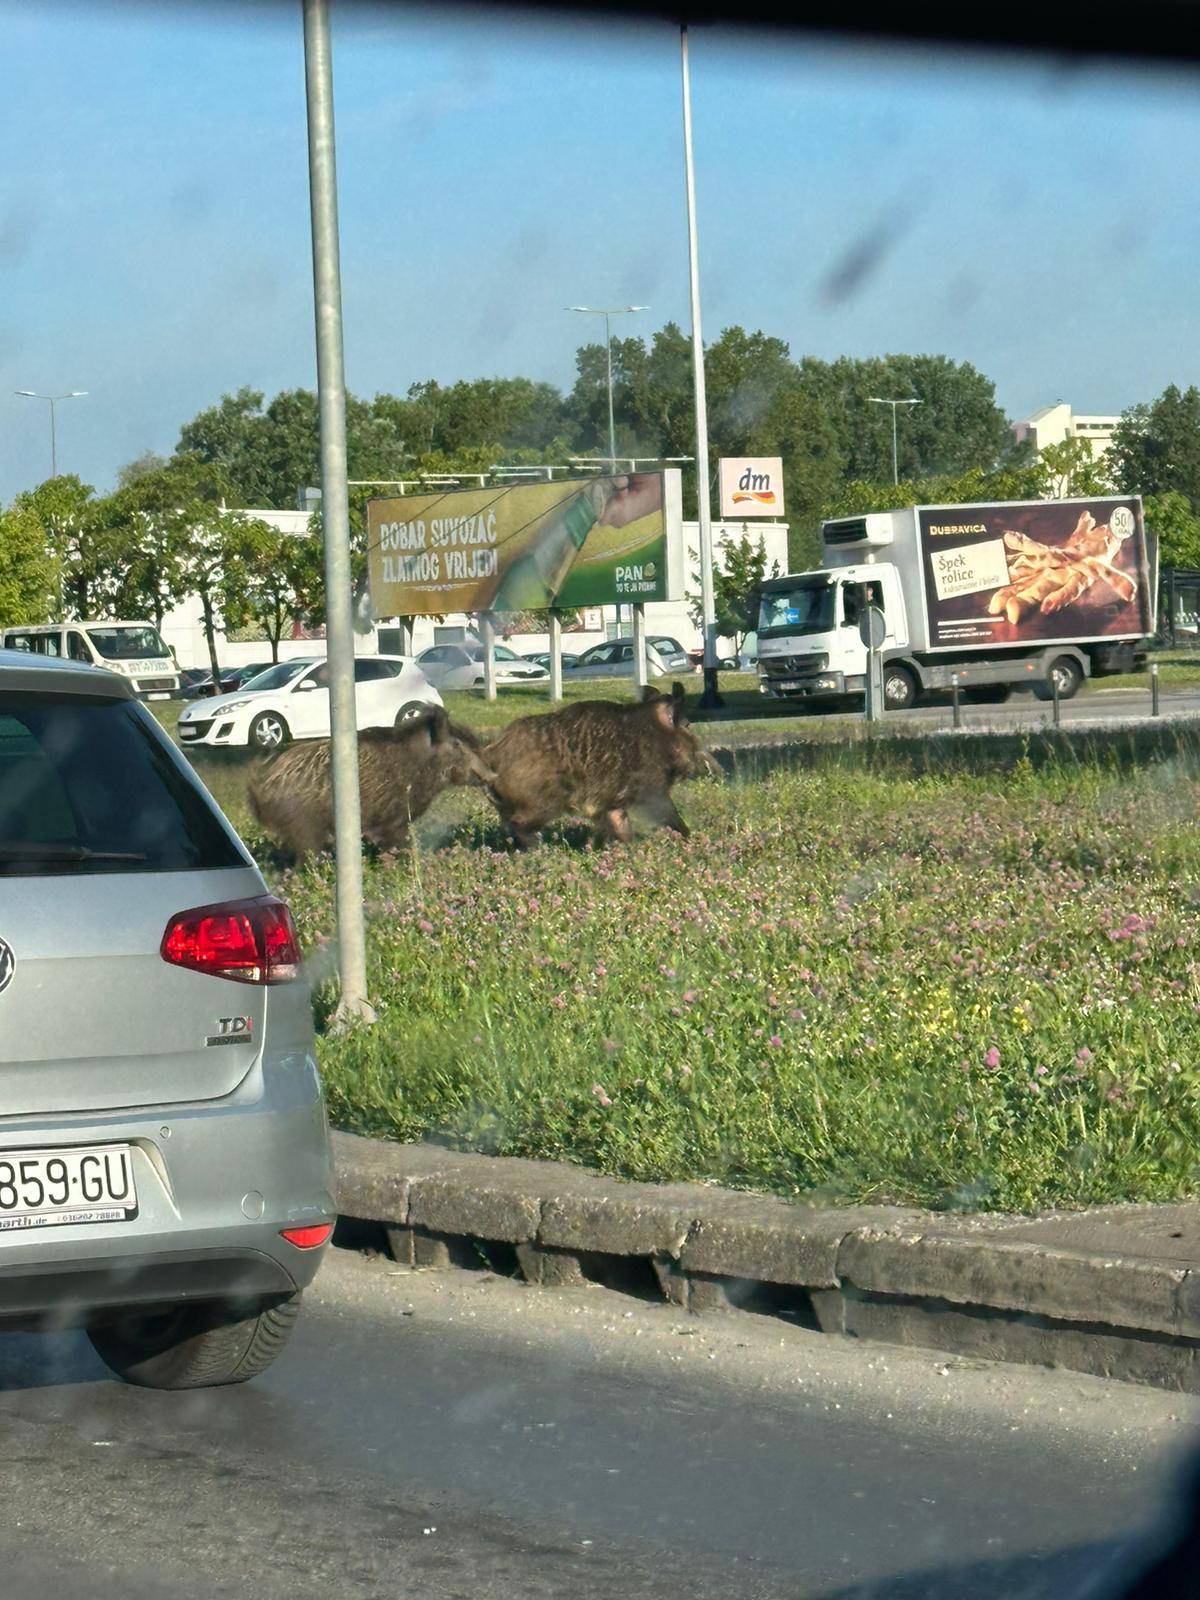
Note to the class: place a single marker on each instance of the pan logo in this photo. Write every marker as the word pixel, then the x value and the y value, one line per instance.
pixel 8 965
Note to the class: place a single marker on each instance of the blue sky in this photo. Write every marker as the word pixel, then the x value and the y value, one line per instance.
pixel 154 244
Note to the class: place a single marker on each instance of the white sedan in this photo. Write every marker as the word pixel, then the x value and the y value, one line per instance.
pixel 291 701
pixel 453 667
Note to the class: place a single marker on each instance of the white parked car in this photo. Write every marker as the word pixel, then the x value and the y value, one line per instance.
pixel 452 667
pixel 291 701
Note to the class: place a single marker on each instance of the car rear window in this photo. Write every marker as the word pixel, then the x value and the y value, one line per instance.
pixel 90 785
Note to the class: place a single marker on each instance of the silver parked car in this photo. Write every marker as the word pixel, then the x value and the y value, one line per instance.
pixel 614 659
pixel 165 1172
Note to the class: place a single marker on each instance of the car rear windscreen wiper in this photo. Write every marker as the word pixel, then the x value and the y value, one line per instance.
pixel 64 852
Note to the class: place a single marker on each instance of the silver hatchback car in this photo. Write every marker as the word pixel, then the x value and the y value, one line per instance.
pixel 165 1170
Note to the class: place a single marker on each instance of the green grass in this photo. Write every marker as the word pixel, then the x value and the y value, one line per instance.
pixel 958 990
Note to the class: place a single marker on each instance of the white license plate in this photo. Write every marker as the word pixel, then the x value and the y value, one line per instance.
pixel 42 1188
pixel 159 694
pixel 790 684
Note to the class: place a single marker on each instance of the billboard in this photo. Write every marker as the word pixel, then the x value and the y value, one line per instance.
pixel 751 486
pixel 1050 569
pixel 525 547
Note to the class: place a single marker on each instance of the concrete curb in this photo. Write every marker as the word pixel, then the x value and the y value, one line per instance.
pixel 1113 1291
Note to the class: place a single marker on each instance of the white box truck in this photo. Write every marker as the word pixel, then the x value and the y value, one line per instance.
pixel 1032 593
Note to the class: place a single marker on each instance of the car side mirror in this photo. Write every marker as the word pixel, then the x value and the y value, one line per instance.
pixel 305 684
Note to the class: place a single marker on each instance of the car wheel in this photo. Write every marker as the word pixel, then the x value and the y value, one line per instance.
pixel 194 1346
pixel 899 690
pixel 411 711
pixel 1066 673
pixel 269 731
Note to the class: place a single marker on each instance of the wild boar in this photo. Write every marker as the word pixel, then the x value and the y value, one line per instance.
pixel 596 760
pixel 400 772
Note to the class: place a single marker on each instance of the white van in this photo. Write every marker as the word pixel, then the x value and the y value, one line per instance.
pixel 134 649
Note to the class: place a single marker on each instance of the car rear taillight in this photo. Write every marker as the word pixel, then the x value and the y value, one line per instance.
pixel 250 941
pixel 309 1238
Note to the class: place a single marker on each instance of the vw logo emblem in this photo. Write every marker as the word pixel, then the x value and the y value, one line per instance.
pixel 8 965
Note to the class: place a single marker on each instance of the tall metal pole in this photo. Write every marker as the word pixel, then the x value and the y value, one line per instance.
pixel 335 511
pixel 53 444
pixel 895 453
pixel 612 427
pixel 711 696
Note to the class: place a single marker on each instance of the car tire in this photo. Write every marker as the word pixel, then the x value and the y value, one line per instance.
pixel 1069 674
pixel 411 711
pixel 195 1346
pixel 899 688
pixel 269 731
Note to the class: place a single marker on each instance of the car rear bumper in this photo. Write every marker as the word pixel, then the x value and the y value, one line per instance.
pixel 217 1182
pixel 72 1292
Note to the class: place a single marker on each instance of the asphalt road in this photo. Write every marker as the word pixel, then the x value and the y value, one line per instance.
pixel 455 1434
pixel 1022 710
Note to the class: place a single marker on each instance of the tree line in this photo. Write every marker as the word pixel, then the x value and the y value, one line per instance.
pixel 177 530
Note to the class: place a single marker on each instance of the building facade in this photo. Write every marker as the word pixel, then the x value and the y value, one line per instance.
pixel 1057 423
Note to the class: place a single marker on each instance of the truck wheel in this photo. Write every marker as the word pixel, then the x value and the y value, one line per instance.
pixel 1064 671
pixel 899 690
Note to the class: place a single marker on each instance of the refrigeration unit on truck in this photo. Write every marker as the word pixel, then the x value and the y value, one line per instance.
pixel 1036 593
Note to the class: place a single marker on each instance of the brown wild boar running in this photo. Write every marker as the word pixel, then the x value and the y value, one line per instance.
pixel 400 772
pixel 596 760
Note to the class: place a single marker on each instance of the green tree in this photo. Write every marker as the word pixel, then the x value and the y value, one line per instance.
pixel 281 582
pixel 86 547
pixel 735 589
pixel 1156 447
pixel 957 427
pixel 28 568
pixel 267 455
pixel 1170 518
pixel 1072 471
pixel 142 466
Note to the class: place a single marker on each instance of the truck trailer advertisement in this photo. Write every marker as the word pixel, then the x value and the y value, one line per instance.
pixel 1018 574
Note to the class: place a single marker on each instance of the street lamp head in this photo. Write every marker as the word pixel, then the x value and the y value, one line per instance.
pixel 75 394
pixel 32 393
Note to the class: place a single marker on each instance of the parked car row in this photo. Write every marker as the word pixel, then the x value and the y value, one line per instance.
pixel 267 706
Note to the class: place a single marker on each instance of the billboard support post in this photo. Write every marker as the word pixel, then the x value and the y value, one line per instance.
pixel 555 655
pixel 641 671
pixel 406 636
pixel 711 698
pixel 487 633
pixel 339 625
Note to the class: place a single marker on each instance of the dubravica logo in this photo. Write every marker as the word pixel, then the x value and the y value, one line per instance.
pixel 8 964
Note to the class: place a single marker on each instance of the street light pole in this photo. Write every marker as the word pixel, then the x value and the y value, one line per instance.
pixel 72 394
pixel 875 401
pixel 607 312
pixel 711 697
pixel 335 512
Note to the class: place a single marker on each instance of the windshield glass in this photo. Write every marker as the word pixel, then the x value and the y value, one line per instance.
pixel 128 644
pixel 89 785
pixel 804 608
pixel 500 652
pixel 278 676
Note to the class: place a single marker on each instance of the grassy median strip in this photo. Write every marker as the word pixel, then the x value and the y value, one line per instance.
pixel 960 990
